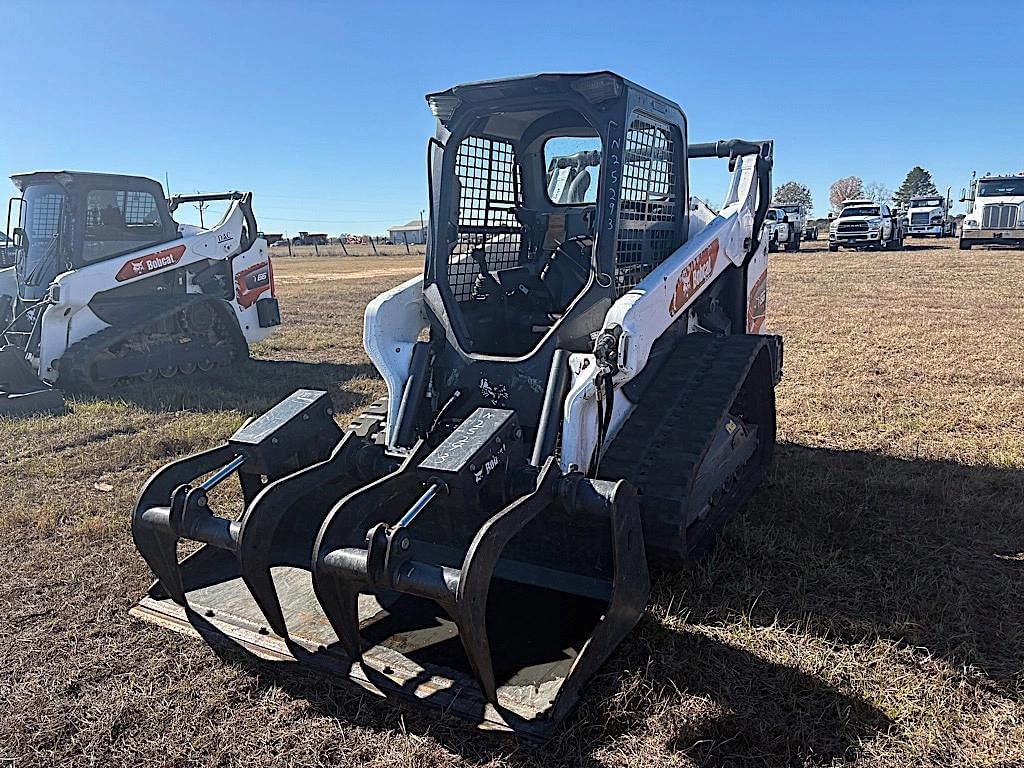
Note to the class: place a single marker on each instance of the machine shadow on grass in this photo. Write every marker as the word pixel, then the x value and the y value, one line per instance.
pixel 854 546
pixel 846 546
pixel 252 387
pixel 740 705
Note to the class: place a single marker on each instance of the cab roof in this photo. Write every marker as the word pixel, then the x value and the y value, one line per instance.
pixel 595 86
pixel 22 180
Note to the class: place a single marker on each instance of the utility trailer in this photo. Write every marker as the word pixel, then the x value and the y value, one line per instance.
pixel 580 387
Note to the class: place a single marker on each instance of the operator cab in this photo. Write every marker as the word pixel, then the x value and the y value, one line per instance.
pixel 518 169
pixel 69 220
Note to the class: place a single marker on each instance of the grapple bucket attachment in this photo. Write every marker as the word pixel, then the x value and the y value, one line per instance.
pixel 22 392
pixel 265 455
pixel 462 577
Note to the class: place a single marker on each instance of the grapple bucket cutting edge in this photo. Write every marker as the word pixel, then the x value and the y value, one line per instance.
pixel 22 392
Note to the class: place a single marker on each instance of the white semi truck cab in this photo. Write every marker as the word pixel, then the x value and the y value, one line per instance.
pixel 995 212
pixel 929 215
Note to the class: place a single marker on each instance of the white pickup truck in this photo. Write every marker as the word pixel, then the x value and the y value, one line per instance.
pixel 929 215
pixel 797 215
pixel 995 212
pixel 781 231
pixel 865 224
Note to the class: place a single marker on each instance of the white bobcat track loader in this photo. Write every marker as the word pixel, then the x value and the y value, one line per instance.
pixel 107 287
pixel 578 386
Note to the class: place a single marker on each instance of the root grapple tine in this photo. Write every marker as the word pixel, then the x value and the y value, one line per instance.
pixel 174 505
pixel 478 572
pixel 271 508
pixel 422 559
pixel 154 529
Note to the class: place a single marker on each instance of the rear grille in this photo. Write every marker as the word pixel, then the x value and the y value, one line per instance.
pixel 999 216
pixel 852 227
pixel 919 219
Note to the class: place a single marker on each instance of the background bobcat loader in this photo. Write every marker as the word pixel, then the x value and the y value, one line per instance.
pixel 107 286
pixel 578 386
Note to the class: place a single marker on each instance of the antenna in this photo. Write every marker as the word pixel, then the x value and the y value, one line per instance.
pixel 201 206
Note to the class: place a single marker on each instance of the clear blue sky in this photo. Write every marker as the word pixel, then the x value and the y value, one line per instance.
pixel 318 107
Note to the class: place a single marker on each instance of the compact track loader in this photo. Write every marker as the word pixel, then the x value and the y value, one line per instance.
pixel 107 287
pixel 578 386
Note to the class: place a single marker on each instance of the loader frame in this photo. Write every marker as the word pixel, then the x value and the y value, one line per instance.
pixel 507 480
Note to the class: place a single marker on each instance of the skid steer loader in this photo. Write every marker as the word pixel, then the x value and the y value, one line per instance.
pixel 579 386
pixel 107 287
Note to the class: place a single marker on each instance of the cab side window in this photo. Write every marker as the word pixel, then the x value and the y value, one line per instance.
pixel 119 222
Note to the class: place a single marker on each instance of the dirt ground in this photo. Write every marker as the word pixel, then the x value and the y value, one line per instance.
pixel 866 609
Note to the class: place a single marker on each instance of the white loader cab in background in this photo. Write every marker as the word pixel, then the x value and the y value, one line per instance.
pixel 995 212
pixel 930 215
pixel 865 224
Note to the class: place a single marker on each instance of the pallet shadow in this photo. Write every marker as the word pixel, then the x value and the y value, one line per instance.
pixel 252 387
pixel 856 546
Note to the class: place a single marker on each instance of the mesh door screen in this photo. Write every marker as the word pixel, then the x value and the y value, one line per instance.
pixel 648 203
pixel 45 217
pixel 490 193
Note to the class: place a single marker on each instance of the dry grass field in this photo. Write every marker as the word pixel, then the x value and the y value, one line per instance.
pixel 867 608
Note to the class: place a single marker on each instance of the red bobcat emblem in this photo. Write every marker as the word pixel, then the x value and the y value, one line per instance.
pixel 757 304
pixel 693 276
pixel 151 262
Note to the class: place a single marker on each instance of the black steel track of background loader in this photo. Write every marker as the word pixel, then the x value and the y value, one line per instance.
pixel 661 446
pixel 76 364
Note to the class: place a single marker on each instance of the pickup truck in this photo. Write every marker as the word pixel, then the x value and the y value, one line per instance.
pixel 797 214
pixel 865 224
pixel 780 230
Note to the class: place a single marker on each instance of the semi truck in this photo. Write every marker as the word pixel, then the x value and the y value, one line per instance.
pixel 995 211
pixel 930 215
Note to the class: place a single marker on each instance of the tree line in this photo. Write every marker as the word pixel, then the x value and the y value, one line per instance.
pixel 918 182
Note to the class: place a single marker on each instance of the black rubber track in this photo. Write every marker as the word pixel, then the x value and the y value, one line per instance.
pixel 76 363
pixel 661 446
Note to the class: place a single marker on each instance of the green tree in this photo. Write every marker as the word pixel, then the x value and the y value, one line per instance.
pixel 793 192
pixel 918 182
